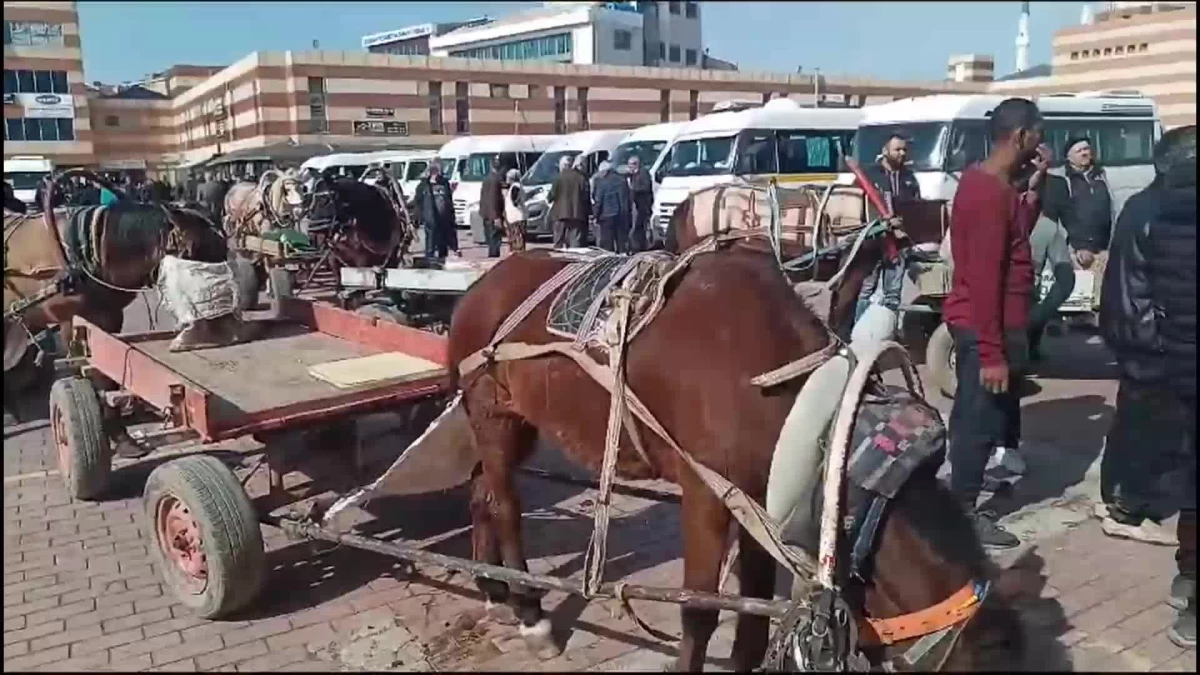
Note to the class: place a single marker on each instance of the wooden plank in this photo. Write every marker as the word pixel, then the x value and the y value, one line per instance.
pixel 385 367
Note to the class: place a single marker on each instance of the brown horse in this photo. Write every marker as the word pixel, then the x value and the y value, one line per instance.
pixel 90 262
pixel 697 383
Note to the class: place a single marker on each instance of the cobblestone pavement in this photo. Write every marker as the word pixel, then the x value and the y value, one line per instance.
pixel 81 591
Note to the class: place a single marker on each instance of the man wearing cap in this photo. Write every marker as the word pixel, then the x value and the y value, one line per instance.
pixel 612 209
pixel 1091 202
pixel 570 205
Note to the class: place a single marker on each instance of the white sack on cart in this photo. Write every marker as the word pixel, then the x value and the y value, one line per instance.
pixel 441 458
pixel 196 290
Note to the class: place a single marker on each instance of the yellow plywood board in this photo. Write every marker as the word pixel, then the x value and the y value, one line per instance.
pixel 385 367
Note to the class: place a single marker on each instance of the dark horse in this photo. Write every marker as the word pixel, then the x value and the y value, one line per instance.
pixel 729 317
pixel 91 261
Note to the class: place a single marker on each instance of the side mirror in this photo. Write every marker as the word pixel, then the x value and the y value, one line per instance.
pixel 659 174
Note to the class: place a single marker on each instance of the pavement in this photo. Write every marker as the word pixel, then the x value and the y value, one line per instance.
pixel 81 591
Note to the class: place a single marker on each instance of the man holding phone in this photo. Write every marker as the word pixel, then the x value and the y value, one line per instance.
pixel 988 306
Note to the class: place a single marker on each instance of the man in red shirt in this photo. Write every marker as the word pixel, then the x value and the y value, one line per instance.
pixel 988 307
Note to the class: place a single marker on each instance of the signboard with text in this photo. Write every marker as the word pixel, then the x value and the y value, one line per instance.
pixel 43 106
pixel 381 112
pixel 380 128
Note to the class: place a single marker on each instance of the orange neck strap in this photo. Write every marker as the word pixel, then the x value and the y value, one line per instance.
pixel 958 608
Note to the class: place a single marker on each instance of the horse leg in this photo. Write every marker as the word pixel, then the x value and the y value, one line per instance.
pixel 705 529
pixel 504 440
pixel 484 547
pixel 756 579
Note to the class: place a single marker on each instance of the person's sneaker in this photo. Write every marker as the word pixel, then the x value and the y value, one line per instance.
pixel 1147 531
pixel 1100 510
pixel 1183 588
pixel 1010 459
pixel 1183 633
pixel 991 534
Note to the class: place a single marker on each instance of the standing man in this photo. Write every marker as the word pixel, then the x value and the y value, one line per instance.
pixel 491 208
pixel 211 194
pixel 612 209
pixel 1049 242
pixel 434 205
pixel 988 306
pixel 570 205
pixel 1148 317
pixel 1091 201
pixel 641 194
pixel 896 183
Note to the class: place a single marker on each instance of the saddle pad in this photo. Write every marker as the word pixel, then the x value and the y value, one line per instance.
pixel 388 366
pixel 571 303
pixel 893 435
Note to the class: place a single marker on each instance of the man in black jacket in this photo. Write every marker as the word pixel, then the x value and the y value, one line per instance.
pixel 434 206
pixel 896 183
pixel 491 208
pixel 1148 317
pixel 1087 189
pixel 641 195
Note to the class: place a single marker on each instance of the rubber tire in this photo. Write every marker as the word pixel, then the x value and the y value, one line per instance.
pixel 384 312
pixel 280 282
pixel 90 468
pixel 939 352
pixel 229 528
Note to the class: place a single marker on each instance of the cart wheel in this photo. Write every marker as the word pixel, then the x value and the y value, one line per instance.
pixel 206 535
pixel 940 357
pixel 384 312
pixel 77 425
pixel 280 282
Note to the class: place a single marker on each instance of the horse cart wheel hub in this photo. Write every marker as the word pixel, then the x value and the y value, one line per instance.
pixel 179 536
pixel 58 426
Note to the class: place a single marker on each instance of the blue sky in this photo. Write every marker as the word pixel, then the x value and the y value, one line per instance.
pixel 891 40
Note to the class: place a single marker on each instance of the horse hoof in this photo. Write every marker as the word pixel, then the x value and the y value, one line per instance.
pixel 539 639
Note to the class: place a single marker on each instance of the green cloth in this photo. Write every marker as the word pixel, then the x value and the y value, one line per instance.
pixel 107 197
pixel 288 237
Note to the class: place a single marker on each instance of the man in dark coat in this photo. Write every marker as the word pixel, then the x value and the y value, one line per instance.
pixel 612 209
pixel 434 205
pixel 491 208
pixel 641 193
pixel 1148 318
pixel 1087 189
pixel 570 205
pixel 896 183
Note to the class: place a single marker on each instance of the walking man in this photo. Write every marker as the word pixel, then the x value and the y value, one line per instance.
pixel 641 194
pixel 988 306
pixel 570 205
pixel 514 211
pixel 896 183
pixel 1148 317
pixel 435 208
pixel 1087 189
pixel 491 208
pixel 612 201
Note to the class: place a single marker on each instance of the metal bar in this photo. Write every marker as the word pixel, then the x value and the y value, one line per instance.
pixel 406 551
pixel 630 490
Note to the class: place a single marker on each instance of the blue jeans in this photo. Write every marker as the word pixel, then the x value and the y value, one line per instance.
pixel 892 274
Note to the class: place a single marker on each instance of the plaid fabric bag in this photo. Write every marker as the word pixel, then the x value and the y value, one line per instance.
pixel 894 434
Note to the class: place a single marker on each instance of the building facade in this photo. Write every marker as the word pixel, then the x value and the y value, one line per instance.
pixel 414 40
pixel 46 105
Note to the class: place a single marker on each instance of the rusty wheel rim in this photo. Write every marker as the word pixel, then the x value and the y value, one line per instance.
pixel 62 443
pixel 182 545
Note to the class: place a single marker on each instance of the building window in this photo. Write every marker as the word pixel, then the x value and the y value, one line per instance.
pixel 766 97
pixel 691 9
pixel 435 108
pixel 41 129
pixel 1108 51
pixel 1095 52
pixel 498 90
pixel 549 47
pixel 689 57
pixel 412 48
pixel 693 104
pixel 560 110
pixel 1074 56
pixel 35 82
pixel 112 121
pixel 662 51
pixel 1143 47
pixel 317 109
pixel 664 105
pixel 622 40
pixel 462 108
pixel 535 91
pixel 674 54
pixel 1120 49
pixel 33 34
pixel 673 7
pixel 584 122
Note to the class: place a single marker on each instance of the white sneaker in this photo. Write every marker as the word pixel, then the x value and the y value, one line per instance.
pixel 1008 459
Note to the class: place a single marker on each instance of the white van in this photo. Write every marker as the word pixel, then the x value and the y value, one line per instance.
pixel 25 173
pixel 345 164
pixel 471 158
pixel 649 144
pixel 594 146
pixel 405 166
pixel 948 133
pixel 780 139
